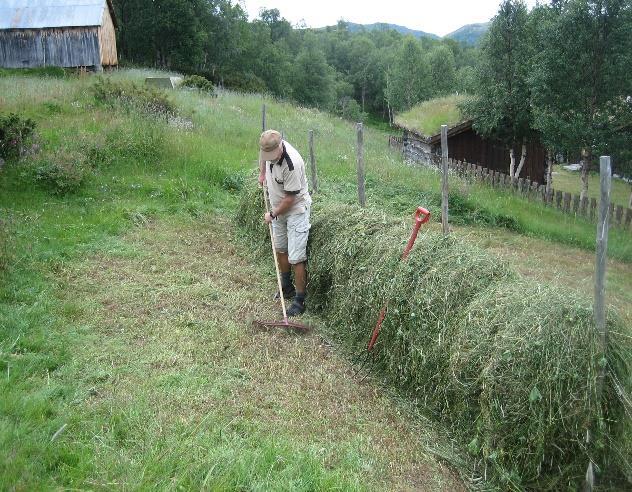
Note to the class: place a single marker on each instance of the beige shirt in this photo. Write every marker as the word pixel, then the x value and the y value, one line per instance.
pixel 288 176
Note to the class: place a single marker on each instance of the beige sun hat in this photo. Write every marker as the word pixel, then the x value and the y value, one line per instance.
pixel 269 144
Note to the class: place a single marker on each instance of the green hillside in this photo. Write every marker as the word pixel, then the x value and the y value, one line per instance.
pixel 470 34
pixel 127 294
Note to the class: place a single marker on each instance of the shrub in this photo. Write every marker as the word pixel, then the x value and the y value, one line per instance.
pixel 61 172
pixel 198 82
pixel 130 96
pixel 16 133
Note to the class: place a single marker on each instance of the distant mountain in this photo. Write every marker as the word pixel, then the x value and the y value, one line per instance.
pixel 470 34
pixel 383 26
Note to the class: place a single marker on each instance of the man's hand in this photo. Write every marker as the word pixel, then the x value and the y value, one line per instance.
pixel 267 218
pixel 262 178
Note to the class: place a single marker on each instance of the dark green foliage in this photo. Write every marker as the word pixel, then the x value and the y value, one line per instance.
pixel 131 96
pixel 508 364
pixel 502 109
pixel 581 76
pixel 15 135
pixel 201 83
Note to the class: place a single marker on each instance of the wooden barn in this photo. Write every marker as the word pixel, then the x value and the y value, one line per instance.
pixel 61 33
pixel 464 144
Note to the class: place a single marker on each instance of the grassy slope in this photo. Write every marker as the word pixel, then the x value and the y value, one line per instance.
pixel 73 276
pixel 428 116
pixel 125 321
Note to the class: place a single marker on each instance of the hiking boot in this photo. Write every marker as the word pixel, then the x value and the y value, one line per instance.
pixel 297 307
pixel 288 292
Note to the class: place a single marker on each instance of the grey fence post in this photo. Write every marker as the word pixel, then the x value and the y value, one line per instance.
pixel 360 151
pixel 312 162
pixel 600 292
pixel 444 178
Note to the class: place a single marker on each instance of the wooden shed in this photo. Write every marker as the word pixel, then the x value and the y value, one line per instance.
pixel 464 144
pixel 61 33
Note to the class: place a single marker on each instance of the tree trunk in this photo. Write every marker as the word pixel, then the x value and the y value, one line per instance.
pixel 584 177
pixel 512 164
pixel 549 172
pixel 523 157
pixel 363 93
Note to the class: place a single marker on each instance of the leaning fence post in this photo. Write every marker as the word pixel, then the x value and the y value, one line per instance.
pixel 444 178
pixel 600 293
pixel 312 162
pixel 263 118
pixel 360 151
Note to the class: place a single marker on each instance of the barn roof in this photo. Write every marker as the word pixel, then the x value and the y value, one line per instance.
pixel 38 14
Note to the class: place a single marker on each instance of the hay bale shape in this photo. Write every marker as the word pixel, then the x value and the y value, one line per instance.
pixel 507 363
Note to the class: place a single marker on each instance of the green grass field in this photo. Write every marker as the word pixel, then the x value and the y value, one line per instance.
pixel 126 352
pixel 570 182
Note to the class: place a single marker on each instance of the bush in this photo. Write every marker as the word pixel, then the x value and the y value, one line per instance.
pixel 130 96
pixel 61 172
pixel 198 82
pixel 508 364
pixel 15 135
pixel 54 72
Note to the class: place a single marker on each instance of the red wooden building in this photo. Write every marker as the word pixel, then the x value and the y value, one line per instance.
pixel 464 144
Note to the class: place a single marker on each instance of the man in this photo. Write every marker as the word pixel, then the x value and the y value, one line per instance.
pixel 282 168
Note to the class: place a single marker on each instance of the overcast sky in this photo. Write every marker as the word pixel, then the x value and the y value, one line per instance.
pixel 437 16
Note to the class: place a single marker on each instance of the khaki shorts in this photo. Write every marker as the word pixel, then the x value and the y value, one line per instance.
pixel 290 235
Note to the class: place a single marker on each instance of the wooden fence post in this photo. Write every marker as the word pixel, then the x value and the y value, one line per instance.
pixel 444 179
pixel 558 199
pixel 593 208
pixel 575 204
pixel 618 214
pixel 360 151
pixel 583 206
pixel 567 201
pixel 628 217
pixel 600 293
pixel 263 118
pixel 312 162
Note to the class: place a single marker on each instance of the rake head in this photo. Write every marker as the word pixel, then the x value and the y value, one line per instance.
pixel 285 323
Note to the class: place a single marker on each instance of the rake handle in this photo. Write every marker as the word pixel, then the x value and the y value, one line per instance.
pixel 274 253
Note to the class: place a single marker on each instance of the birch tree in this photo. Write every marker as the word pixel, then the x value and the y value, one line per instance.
pixel 581 80
pixel 502 109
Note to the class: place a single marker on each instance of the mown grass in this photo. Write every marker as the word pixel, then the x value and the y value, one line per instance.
pixel 144 171
pixel 427 117
pixel 130 370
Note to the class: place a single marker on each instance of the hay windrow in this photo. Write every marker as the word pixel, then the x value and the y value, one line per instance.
pixel 507 363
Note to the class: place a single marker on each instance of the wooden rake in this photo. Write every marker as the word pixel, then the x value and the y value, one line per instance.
pixel 285 323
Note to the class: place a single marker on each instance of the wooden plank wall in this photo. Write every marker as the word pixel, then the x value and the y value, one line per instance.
pixel 469 146
pixel 63 47
pixel 565 202
pixel 107 41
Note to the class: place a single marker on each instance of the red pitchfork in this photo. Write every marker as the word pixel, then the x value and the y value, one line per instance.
pixel 421 217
